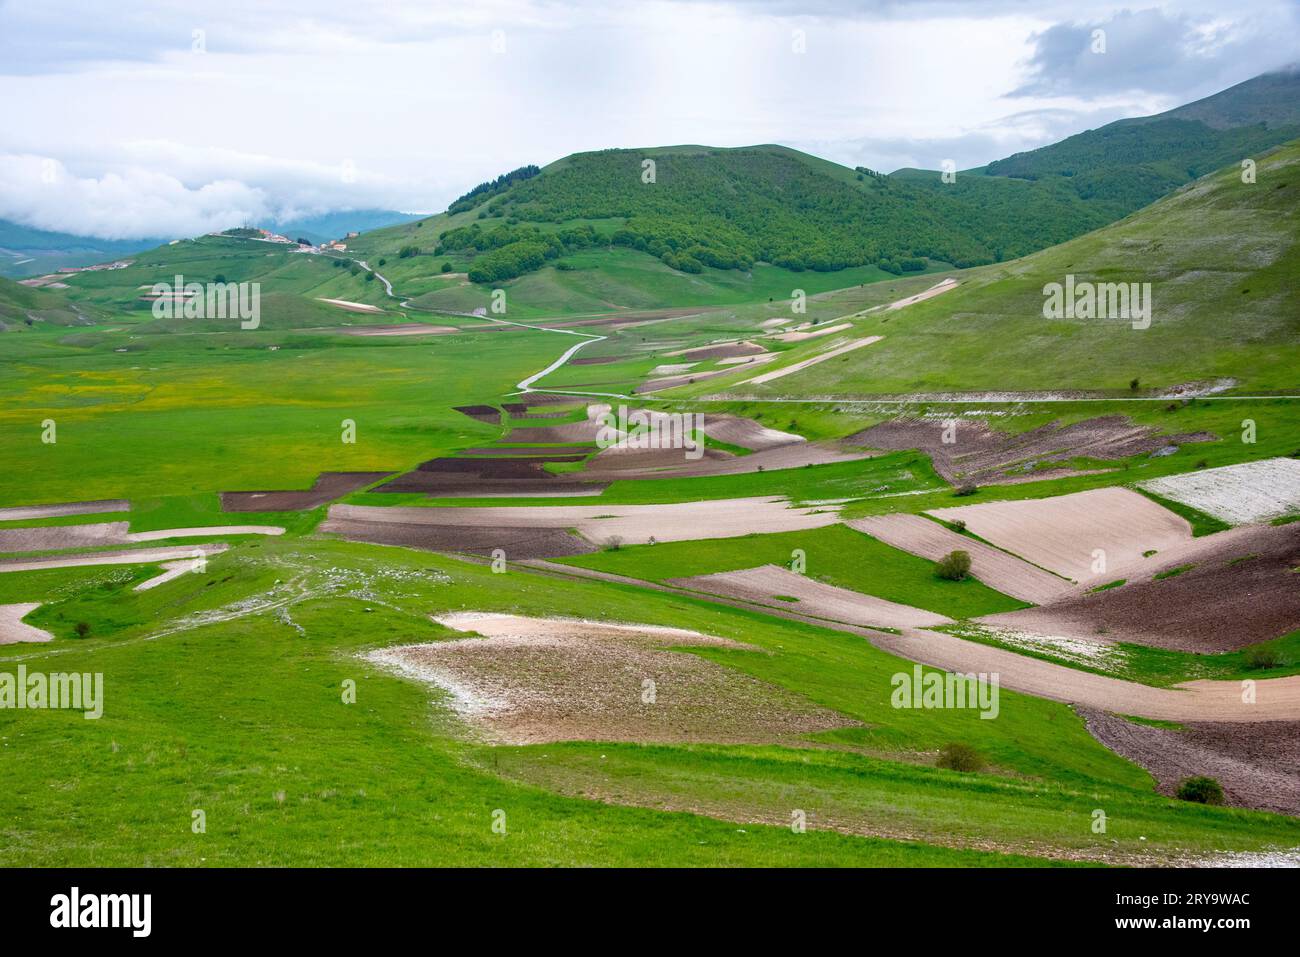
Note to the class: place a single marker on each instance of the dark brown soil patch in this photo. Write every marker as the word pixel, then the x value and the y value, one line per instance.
pixel 570 432
pixel 327 487
pixel 530 451
pixel 483 413
pixel 594 360
pixel 492 475
pixel 517 543
pixel 987 456
pixel 1239 591
pixel 730 350
pixel 1257 764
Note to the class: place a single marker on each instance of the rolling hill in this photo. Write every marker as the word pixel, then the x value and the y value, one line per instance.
pixel 1221 257
pixel 710 212
pixel 24 307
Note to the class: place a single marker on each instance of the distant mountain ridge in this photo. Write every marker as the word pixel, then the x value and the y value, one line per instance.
pixel 699 207
pixel 47 251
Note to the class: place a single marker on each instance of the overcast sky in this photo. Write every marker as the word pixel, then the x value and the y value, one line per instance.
pixel 140 118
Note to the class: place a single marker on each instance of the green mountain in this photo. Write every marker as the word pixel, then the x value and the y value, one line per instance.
pixel 1221 256
pixel 1131 163
pixel 588 225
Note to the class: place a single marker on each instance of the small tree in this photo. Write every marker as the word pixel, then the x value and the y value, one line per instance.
pixel 966 488
pixel 1260 659
pixel 960 757
pixel 1133 384
pixel 955 566
pixel 82 629
pixel 613 543
pixel 1200 790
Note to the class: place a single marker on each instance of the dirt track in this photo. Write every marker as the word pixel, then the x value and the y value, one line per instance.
pixel 815 599
pixel 938 288
pixel 1277 699
pixel 12 628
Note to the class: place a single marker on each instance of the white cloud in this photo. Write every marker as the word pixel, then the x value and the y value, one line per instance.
pixel 154 139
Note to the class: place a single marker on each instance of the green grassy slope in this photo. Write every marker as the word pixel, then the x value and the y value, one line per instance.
pixel 244 719
pixel 1221 256
pixel 23 306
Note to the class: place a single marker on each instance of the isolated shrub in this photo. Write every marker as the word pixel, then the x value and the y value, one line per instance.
pixel 955 566
pixel 1260 658
pixel 966 488
pixel 82 629
pixel 960 757
pixel 446 267
pixel 1200 790
pixel 1134 384
pixel 613 543
pixel 383 262
pixel 958 524
pixel 406 252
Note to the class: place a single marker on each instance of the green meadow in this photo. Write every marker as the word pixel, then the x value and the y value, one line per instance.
pixel 223 694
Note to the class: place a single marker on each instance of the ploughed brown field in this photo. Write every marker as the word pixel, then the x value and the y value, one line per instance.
pixel 327 487
pixel 1257 764
pixel 539 680
pixel 1241 589
pixel 987 456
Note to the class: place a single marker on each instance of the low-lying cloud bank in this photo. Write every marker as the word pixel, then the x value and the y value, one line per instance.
pixel 181 195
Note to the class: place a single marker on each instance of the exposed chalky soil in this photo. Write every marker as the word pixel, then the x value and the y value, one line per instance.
pixel 538 680
pixel 1239 494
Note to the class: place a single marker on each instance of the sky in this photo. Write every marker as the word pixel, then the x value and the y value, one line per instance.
pixel 149 119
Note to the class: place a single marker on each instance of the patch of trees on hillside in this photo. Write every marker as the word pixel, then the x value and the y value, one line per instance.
pixel 485 191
